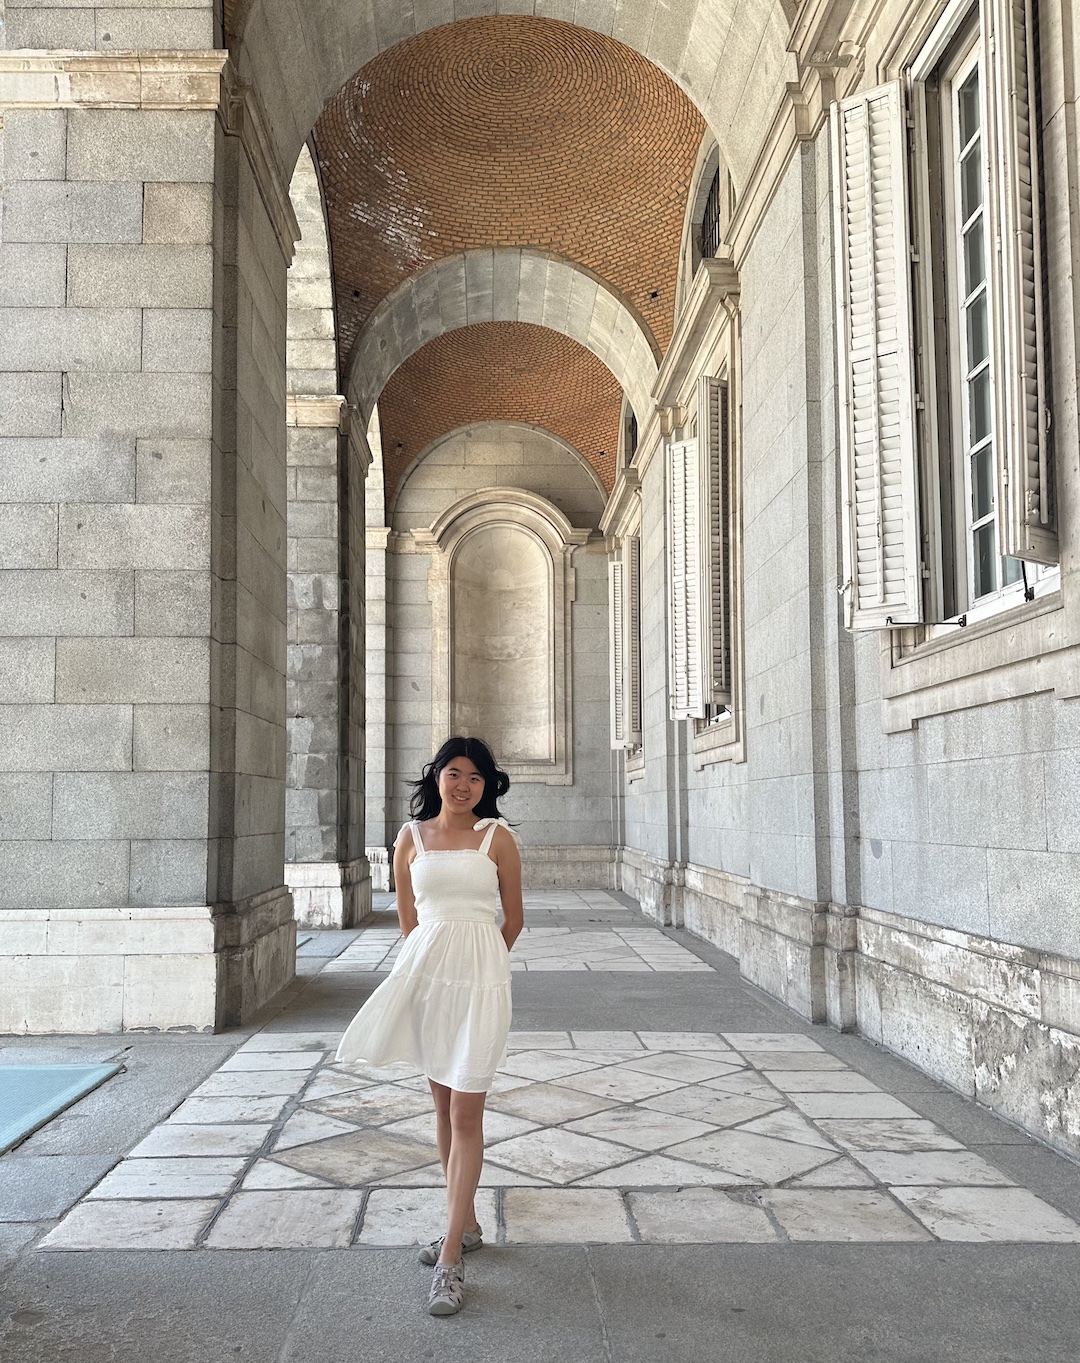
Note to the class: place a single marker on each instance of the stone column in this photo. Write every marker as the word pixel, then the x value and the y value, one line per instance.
pixel 326 867
pixel 142 537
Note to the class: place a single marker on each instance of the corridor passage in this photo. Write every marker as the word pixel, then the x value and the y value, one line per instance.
pixel 678 1167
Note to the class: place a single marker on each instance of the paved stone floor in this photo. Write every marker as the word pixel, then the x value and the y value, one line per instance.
pixel 677 1168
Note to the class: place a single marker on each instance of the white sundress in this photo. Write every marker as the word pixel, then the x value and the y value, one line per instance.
pixel 445 1006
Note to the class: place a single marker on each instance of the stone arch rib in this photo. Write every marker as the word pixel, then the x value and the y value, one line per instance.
pixel 502 284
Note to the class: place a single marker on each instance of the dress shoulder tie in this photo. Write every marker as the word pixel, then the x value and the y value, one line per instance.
pixel 491 825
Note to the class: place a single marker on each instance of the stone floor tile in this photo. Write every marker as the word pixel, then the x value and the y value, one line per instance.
pixel 607 1041
pixel 732 1109
pixel 266 1175
pixel 747 1082
pixel 702 1216
pixel 427 1176
pixel 840 1173
pixel 208 1110
pixel 565 1216
pixel 544 1065
pixel 689 1068
pixel 304 1127
pixel 416 1216
pixel 165 1178
pixel 682 1102
pixel 639 1127
pixel 897 1133
pixel 761 1158
pixel 506 1083
pixel 794 1060
pixel 928 1168
pixel 246 1061
pixel 820 1081
pixel 625 966
pixel 627 1086
pixel 292 1041
pixel 254 1084
pixel 851 1105
pixel 558 1155
pixel 132 1225
pixel 770 1041
pixel 682 1041
pixel 178 1139
pixel 989 1214
pixel 548 1104
pixel 287 1219
pixel 658 1171
pixel 360 1158
pixel 495 1176
pixel 841 1215
pixel 373 1106
pixel 538 1041
pixel 327 1083
pixel 788 1126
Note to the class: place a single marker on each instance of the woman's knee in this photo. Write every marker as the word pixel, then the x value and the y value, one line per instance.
pixel 467 1114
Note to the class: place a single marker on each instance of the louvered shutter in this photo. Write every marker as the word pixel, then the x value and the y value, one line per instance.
pixel 876 384
pixel 713 419
pixel 1025 480
pixel 685 624
pixel 632 638
pixel 617 644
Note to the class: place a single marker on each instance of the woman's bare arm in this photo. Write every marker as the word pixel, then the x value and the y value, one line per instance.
pixel 406 902
pixel 508 861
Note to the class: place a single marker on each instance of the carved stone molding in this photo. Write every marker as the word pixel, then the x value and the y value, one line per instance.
pixel 485 510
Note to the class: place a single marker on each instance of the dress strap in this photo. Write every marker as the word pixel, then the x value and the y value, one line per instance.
pixel 418 842
pixel 491 825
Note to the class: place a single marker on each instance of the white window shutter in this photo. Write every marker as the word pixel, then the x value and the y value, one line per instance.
pixel 686 626
pixel 617 646
pixel 632 636
pixel 713 421
pixel 877 427
pixel 1023 438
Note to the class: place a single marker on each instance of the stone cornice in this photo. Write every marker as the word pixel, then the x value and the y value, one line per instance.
pixel 157 80
pixel 111 80
pixel 303 409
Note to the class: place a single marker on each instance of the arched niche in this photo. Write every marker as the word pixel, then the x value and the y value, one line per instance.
pixel 501 584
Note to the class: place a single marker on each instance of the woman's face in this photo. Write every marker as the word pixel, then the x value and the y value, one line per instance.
pixel 461 787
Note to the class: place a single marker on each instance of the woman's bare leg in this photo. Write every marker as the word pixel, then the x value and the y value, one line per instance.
pixel 441 1095
pixel 463 1168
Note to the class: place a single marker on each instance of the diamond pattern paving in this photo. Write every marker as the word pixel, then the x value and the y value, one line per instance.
pixel 612 1137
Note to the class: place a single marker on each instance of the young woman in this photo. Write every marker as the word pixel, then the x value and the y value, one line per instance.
pixel 445 1006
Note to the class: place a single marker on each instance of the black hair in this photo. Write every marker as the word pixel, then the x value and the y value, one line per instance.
pixel 426 802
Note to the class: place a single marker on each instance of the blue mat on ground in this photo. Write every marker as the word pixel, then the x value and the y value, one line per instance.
pixel 32 1094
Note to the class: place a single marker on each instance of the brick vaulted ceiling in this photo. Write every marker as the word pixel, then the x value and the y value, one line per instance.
pixel 507 131
pixel 501 371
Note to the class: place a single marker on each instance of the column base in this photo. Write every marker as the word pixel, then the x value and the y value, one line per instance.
pixel 330 894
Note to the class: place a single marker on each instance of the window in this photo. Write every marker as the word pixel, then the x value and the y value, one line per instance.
pixel 625 605
pixel 699 567
pixel 709 232
pixel 947 477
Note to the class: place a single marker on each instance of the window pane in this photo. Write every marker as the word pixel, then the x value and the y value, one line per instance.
pixel 1013 570
pixel 985 559
pixel 979 406
pixel 978 333
pixel 971 181
pixel 969 108
pixel 982 483
pixel 974 265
